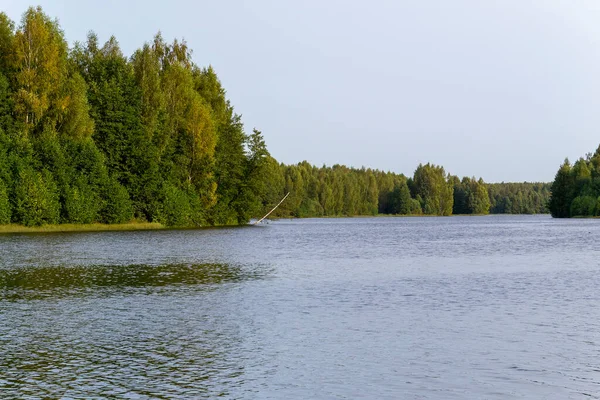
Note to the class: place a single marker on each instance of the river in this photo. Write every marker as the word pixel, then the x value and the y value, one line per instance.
pixel 494 307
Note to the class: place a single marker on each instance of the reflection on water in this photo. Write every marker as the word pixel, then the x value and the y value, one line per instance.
pixel 385 308
pixel 133 331
pixel 33 282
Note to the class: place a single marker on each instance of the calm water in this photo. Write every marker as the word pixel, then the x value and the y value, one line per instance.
pixel 495 307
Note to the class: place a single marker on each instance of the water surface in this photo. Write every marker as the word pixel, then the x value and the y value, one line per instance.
pixel 497 307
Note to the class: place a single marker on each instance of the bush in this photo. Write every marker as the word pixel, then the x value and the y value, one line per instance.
pixel 117 204
pixel 82 204
pixel 37 200
pixel 176 209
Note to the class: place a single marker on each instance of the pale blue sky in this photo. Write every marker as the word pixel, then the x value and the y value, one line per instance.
pixel 499 89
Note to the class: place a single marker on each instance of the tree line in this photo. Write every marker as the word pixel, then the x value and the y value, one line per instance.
pixel 576 188
pixel 90 135
pixel 342 191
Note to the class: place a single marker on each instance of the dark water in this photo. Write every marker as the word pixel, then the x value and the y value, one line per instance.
pixel 409 308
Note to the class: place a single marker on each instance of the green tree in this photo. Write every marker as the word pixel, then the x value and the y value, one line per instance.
pixel 400 201
pixel 40 62
pixel 274 185
pixel 176 209
pixel 435 191
pixel 7 44
pixel 117 208
pixel 461 196
pixel 36 198
pixel 115 100
pixel 583 206
pixel 255 186
pixel 5 208
pixel 562 192
pixel 479 200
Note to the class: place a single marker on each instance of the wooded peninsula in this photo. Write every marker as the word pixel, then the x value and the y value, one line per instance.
pixel 576 188
pixel 88 135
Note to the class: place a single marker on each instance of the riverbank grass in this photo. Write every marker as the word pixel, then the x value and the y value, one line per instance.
pixel 134 226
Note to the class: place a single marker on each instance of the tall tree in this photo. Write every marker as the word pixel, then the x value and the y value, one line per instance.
pixel 41 67
pixel 434 189
pixel 562 192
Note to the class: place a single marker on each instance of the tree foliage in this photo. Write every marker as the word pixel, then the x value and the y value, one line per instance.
pixel 434 188
pixel 88 134
pixel 576 188
pixel 470 196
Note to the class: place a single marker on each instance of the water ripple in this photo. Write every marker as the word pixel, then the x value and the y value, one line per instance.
pixel 386 308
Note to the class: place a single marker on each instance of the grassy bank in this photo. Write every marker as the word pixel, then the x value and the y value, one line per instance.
pixel 136 226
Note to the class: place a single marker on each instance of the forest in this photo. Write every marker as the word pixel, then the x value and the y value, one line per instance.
pixel 89 135
pixel 576 188
pixel 343 191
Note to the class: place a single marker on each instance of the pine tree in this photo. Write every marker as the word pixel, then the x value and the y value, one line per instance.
pixel 562 192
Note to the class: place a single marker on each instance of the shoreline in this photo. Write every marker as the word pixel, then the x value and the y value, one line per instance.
pixel 150 226
pixel 401 216
pixel 97 227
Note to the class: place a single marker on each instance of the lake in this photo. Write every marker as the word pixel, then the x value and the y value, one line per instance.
pixel 494 307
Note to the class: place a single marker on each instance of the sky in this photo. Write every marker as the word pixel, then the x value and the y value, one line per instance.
pixel 503 90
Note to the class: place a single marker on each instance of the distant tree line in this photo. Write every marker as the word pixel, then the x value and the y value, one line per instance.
pixel 519 198
pixel 89 135
pixel 576 188
pixel 342 191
